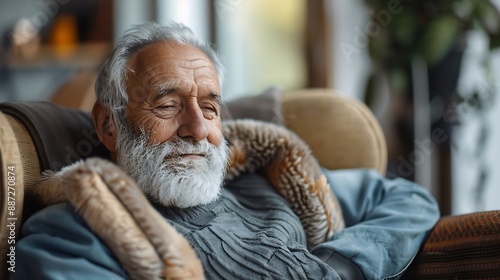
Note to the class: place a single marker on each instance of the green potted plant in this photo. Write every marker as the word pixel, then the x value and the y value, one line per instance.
pixel 435 33
pixel 426 29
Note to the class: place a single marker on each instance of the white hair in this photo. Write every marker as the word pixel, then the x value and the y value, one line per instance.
pixel 110 85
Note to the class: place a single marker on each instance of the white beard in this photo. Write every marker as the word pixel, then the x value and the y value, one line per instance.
pixel 169 179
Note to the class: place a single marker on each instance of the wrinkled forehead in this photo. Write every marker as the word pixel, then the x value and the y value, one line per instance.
pixel 160 62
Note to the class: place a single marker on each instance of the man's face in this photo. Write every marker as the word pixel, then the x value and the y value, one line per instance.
pixel 171 142
pixel 173 92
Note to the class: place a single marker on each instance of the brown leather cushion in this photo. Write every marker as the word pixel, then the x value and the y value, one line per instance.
pixel 61 136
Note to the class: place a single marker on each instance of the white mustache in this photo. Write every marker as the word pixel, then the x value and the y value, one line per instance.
pixel 181 147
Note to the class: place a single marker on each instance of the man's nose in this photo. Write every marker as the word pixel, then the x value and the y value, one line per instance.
pixel 193 124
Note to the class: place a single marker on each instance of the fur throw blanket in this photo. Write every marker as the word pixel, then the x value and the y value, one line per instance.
pixel 145 243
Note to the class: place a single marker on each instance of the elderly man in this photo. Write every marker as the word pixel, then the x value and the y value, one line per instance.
pixel 158 113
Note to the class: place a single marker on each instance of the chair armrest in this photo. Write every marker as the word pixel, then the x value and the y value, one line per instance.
pixel 465 246
pixel 11 190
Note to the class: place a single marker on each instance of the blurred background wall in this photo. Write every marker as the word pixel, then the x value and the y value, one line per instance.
pixel 429 70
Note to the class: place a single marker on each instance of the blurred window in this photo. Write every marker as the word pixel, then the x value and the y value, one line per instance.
pixel 261 44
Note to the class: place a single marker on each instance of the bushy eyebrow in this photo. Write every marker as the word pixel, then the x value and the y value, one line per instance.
pixel 171 87
pixel 165 89
pixel 215 97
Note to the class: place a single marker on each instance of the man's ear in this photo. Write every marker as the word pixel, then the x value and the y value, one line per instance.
pixel 105 126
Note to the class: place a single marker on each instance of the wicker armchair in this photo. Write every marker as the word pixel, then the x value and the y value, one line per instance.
pixel 39 136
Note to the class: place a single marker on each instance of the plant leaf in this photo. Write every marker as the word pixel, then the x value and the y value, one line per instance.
pixel 438 39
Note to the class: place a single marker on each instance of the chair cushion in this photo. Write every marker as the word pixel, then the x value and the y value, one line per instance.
pixel 61 136
pixel 264 107
pixel 341 131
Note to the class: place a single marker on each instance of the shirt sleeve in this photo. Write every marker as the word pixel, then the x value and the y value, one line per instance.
pixel 386 223
pixel 57 244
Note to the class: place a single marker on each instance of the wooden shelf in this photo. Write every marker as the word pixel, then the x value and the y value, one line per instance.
pixel 86 56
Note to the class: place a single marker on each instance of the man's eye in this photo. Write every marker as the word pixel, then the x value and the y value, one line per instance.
pixel 165 110
pixel 166 107
pixel 209 108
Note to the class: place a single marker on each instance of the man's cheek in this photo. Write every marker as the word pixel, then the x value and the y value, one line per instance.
pixel 160 130
pixel 215 136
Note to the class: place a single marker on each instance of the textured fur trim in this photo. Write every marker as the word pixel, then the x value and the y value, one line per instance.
pixel 292 169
